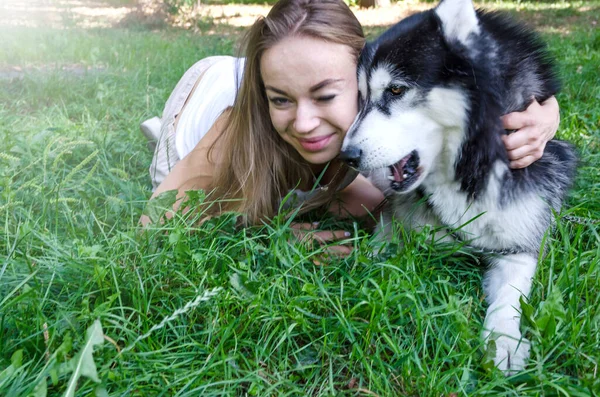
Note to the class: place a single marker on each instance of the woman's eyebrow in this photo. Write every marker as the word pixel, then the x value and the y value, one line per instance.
pixel 324 83
pixel 312 89
pixel 276 90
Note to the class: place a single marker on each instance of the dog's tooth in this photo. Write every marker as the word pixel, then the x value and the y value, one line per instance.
pixel 404 176
pixel 390 178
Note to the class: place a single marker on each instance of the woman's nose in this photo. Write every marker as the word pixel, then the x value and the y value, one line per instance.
pixel 307 118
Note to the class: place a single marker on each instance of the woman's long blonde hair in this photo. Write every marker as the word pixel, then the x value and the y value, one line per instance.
pixel 256 167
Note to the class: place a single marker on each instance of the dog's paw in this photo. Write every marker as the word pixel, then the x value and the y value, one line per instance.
pixel 511 353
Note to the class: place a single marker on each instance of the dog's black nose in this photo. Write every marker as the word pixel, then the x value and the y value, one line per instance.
pixel 351 155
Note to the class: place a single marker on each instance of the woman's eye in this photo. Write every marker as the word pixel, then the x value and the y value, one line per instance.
pixel 279 101
pixel 326 98
pixel 396 90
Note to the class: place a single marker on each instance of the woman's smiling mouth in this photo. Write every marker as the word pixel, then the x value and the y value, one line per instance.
pixel 315 144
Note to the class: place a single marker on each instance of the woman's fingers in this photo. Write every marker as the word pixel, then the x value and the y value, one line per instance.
pixel 338 251
pixel 306 233
pixel 533 128
pixel 303 231
pixel 522 137
pixel 328 236
pixel 523 142
pixel 524 147
pixel 518 120
pixel 523 161
pixel 534 151
pixel 305 226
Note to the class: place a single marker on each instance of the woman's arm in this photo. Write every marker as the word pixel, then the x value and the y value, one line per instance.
pixel 360 198
pixel 195 171
pixel 535 127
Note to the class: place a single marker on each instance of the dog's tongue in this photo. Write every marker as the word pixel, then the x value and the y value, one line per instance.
pixel 398 169
pixel 397 172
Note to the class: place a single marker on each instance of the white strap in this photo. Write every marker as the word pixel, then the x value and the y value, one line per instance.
pixel 214 93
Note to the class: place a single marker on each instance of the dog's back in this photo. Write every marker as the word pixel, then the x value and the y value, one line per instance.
pixel 510 68
pixel 518 59
pixel 519 62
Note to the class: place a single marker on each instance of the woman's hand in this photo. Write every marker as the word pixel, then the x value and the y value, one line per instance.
pixel 307 233
pixel 534 128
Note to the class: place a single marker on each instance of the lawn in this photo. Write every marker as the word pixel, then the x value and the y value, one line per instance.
pixel 89 305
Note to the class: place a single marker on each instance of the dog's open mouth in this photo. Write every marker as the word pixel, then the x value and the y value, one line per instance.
pixel 405 172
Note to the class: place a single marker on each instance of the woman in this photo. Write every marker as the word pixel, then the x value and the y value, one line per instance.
pixel 283 130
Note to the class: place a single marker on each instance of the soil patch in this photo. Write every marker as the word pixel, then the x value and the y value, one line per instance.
pixel 60 14
pixel 71 70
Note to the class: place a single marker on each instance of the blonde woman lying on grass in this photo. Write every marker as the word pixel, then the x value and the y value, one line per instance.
pixel 251 130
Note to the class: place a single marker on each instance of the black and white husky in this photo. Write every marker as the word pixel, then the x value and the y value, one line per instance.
pixel 433 88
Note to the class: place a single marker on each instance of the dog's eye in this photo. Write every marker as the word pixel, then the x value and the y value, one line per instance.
pixel 397 89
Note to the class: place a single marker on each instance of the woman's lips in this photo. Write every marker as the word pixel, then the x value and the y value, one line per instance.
pixel 315 144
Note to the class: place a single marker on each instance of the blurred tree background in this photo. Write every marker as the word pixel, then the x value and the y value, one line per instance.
pixel 176 6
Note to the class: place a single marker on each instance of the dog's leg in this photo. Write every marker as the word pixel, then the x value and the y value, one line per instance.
pixel 404 209
pixel 508 278
pixel 413 214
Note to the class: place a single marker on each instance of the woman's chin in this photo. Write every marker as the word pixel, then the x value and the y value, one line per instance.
pixel 320 158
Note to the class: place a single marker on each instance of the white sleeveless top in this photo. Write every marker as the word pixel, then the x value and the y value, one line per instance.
pixel 214 93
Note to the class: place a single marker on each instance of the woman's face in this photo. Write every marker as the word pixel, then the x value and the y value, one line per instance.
pixel 312 92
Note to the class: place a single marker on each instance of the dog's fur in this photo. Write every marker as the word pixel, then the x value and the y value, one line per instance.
pixel 432 89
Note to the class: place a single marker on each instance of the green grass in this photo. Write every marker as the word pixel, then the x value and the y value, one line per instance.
pixel 73 183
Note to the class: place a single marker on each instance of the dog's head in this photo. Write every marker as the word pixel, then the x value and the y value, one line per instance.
pixel 413 109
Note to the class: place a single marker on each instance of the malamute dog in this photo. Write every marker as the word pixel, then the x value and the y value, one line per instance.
pixel 432 90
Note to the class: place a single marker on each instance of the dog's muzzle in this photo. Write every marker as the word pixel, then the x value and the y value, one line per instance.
pixel 351 156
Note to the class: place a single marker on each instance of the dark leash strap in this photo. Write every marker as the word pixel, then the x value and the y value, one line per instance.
pixel 489 251
pixel 581 220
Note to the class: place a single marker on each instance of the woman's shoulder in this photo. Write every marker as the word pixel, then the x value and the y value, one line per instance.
pixel 210 145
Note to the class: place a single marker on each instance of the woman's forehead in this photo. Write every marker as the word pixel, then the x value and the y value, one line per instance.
pixel 307 59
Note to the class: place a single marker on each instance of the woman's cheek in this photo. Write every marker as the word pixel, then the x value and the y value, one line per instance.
pixel 276 120
pixel 350 113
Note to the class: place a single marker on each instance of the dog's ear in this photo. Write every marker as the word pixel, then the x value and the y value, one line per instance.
pixel 459 19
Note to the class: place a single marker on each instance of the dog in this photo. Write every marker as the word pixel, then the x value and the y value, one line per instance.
pixel 432 91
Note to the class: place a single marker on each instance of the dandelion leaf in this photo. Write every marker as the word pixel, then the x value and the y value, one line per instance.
pixel 41 389
pixel 16 360
pixel 84 364
pixel 157 207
